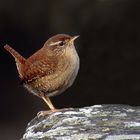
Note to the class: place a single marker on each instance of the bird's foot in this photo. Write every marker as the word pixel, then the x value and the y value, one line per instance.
pixel 48 112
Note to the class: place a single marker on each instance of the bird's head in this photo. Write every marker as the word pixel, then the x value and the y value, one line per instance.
pixel 59 43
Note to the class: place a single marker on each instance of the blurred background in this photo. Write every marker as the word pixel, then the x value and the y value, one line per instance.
pixel 108 46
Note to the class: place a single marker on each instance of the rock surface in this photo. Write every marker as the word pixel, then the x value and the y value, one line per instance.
pixel 98 122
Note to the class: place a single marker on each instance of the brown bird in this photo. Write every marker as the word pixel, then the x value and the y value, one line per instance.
pixel 50 70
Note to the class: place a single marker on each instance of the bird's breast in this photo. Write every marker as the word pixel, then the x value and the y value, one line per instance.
pixel 59 81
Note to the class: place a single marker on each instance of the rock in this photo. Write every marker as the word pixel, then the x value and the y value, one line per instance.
pixel 98 122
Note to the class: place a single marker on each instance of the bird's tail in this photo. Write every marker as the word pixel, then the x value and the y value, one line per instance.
pixel 15 54
pixel 20 60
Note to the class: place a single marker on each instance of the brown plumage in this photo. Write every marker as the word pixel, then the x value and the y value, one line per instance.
pixel 50 70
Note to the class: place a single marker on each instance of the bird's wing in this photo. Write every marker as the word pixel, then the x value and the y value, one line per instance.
pixel 38 68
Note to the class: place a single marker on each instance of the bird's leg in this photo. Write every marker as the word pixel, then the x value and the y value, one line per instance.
pixel 49 103
pixel 52 108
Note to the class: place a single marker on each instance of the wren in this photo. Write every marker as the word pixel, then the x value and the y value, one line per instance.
pixel 50 70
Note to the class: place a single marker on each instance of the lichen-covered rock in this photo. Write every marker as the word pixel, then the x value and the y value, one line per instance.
pixel 99 122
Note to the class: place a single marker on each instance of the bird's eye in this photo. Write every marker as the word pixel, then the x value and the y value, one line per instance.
pixel 61 43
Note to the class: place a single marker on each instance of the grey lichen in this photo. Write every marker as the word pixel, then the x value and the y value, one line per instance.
pixel 99 122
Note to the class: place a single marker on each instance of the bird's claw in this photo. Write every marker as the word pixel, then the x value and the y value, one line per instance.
pixel 48 112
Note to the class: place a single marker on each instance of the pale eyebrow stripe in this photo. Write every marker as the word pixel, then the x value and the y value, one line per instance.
pixel 55 43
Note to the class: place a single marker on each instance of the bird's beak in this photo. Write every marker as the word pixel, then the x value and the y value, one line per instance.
pixel 73 38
